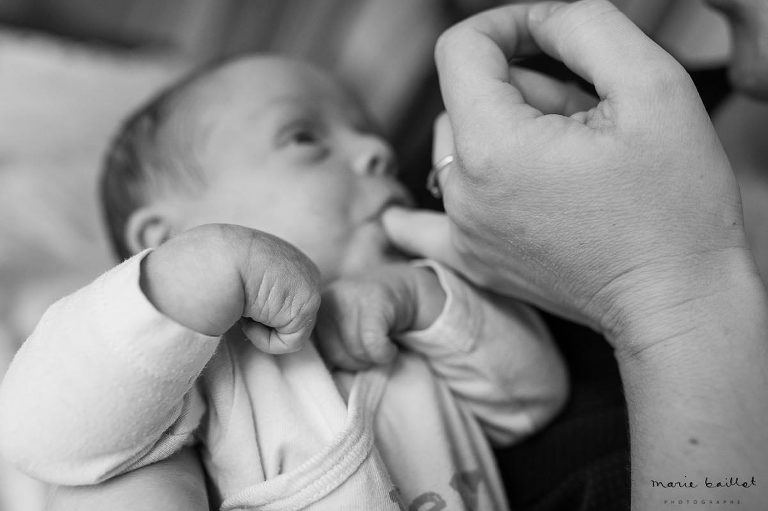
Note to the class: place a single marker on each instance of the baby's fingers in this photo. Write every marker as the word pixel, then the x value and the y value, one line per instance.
pixel 272 341
pixel 372 343
pixel 281 295
pixel 352 333
pixel 331 347
pixel 283 328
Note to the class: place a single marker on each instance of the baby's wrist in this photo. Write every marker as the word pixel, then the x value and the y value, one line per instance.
pixel 189 279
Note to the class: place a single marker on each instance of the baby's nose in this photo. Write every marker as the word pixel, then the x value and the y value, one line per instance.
pixel 375 158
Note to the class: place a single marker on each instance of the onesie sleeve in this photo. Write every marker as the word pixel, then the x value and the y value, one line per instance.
pixel 104 384
pixel 497 357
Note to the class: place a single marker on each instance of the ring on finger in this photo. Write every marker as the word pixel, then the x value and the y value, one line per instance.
pixel 433 181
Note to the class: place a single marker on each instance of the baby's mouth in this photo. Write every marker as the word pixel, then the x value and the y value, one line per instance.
pixel 396 200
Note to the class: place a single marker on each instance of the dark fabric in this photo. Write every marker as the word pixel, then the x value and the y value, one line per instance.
pixel 581 461
pixel 712 85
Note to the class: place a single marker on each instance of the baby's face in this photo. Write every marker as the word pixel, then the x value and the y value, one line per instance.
pixel 284 150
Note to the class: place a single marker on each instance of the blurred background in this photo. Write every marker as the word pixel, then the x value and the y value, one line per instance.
pixel 71 69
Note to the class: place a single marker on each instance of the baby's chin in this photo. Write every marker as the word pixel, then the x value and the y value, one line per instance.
pixel 368 249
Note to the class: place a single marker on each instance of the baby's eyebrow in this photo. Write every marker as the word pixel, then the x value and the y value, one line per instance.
pixel 274 105
pixel 286 107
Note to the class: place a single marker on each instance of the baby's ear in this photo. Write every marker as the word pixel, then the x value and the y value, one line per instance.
pixel 147 227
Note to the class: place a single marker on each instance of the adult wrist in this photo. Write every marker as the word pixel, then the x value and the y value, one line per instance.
pixel 695 384
pixel 660 303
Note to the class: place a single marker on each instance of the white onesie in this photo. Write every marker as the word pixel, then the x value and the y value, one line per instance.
pixel 107 384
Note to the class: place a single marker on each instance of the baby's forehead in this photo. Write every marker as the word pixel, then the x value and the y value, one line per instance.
pixel 255 96
pixel 262 82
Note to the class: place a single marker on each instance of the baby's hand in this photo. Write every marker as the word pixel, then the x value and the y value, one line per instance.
pixel 213 276
pixel 359 315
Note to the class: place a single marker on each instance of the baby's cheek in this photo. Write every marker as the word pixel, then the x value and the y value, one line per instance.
pixel 327 248
pixel 367 248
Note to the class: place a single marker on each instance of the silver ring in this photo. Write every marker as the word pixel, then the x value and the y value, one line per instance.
pixel 433 183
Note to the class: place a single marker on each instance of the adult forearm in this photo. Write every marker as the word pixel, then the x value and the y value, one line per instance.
pixel 698 399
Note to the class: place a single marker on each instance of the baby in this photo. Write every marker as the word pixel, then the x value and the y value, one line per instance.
pixel 198 338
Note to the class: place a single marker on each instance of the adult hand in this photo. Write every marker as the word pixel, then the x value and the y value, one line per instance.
pixel 581 207
pixel 625 216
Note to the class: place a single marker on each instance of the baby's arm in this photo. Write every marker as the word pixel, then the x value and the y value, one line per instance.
pixel 174 484
pixel 105 383
pixel 497 356
pixel 494 353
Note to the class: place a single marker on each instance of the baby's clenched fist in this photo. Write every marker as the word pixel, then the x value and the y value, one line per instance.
pixel 213 276
pixel 360 315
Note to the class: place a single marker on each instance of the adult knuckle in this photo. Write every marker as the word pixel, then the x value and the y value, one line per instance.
pixel 448 40
pixel 664 78
pixel 477 162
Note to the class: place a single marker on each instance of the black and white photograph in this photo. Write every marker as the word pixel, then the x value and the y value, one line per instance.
pixel 383 255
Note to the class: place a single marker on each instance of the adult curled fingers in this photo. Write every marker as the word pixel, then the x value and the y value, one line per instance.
pixel 624 216
pixel 579 205
pixel 551 96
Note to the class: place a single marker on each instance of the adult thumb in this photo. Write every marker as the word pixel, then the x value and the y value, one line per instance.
pixel 420 233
